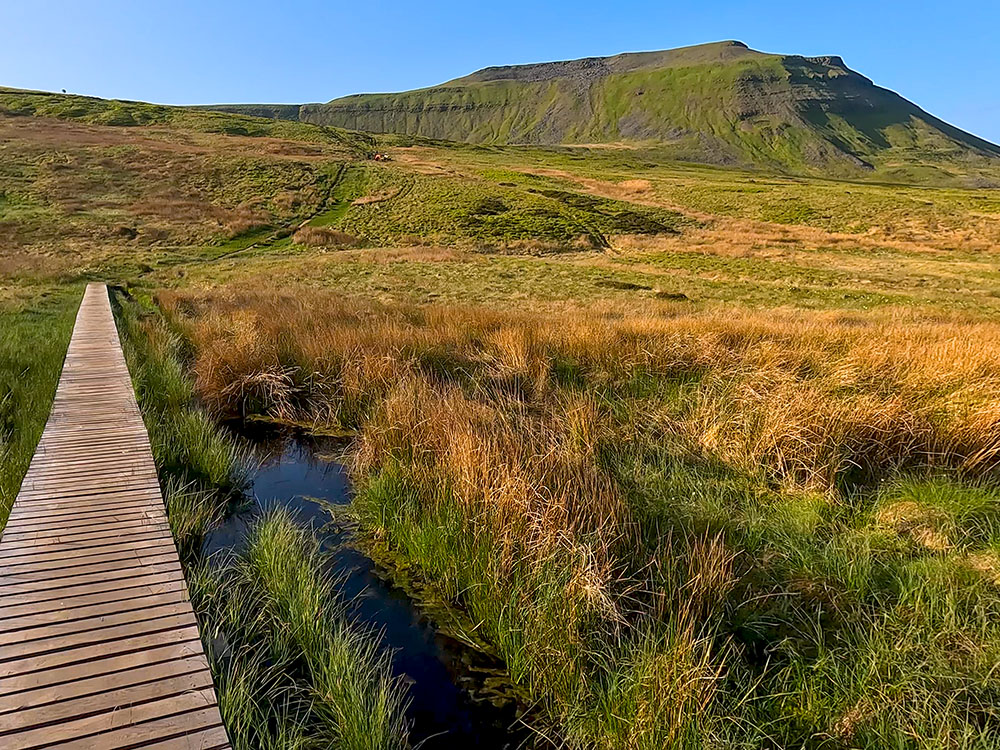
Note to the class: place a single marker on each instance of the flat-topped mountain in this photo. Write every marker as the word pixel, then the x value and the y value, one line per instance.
pixel 721 102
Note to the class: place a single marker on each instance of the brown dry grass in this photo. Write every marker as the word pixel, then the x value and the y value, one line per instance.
pixel 808 397
pixel 378 197
pixel 421 253
pixel 59 133
pixel 324 237
pixel 24 266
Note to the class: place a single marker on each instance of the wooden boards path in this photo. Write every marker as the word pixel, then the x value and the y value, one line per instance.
pixel 99 646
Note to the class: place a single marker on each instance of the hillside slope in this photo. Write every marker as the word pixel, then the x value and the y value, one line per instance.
pixel 92 110
pixel 722 102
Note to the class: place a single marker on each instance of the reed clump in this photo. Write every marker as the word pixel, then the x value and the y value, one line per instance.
pixel 318 681
pixel 678 529
pixel 290 668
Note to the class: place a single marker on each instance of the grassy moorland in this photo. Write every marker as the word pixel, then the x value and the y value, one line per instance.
pixel 708 529
pixel 710 455
pixel 34 333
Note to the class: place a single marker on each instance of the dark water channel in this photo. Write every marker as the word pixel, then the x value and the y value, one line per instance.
pixel 448 707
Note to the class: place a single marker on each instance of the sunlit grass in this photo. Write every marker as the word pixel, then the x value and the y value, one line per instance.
pixel 678 529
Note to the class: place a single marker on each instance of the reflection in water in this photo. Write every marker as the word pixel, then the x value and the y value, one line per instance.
pixel 292 474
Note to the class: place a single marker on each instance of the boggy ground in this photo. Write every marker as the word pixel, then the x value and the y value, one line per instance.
pixel 702 529
pixel 710 455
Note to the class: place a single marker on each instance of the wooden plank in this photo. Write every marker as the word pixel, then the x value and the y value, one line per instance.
pixel 79 438
pixel 128 476
pixel 93 667
pixel 140 733
pixel 130 560
pixel 33 569
pixel 95 499
pixel 88 686
pixel 56 475
pixel 72 549
pixel 14 592
pixel 99 646
pixel 86 555
pixel 16 553
pixel 111 449
pixel 95 623
pixel 109 700
pixel 144 508
pixel 67 606
pixel 75 502
pixel 91 532
pixel 84 466
pixel 27 625
pixel 209 739
pixel 47 653
pixel 71 514
pixel 58 526
pixel 127 722
pixel 81 489
pixel 67 596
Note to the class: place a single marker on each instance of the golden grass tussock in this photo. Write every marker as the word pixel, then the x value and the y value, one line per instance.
pixel 986 563
pixel 324 237
pixel 808 398
pixel 539 247
pixel 420 252
pixel 635 186
pixel 522 475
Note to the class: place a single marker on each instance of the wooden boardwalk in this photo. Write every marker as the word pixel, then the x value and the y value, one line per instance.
pixel 99 647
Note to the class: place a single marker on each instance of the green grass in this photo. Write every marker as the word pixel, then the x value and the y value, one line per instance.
pixel 192 513
pixel 834 205
pixel 557 278
pixel 476 212
pixel 116 113
pixel 586 679
pixel 319 682
pixel 189 449
pixel 350 183
pixel 34 334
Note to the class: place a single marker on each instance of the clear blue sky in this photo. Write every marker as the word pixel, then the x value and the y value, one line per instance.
pixel 941 55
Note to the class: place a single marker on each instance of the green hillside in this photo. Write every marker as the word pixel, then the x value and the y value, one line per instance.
pixel 721 103
pixel 92 110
